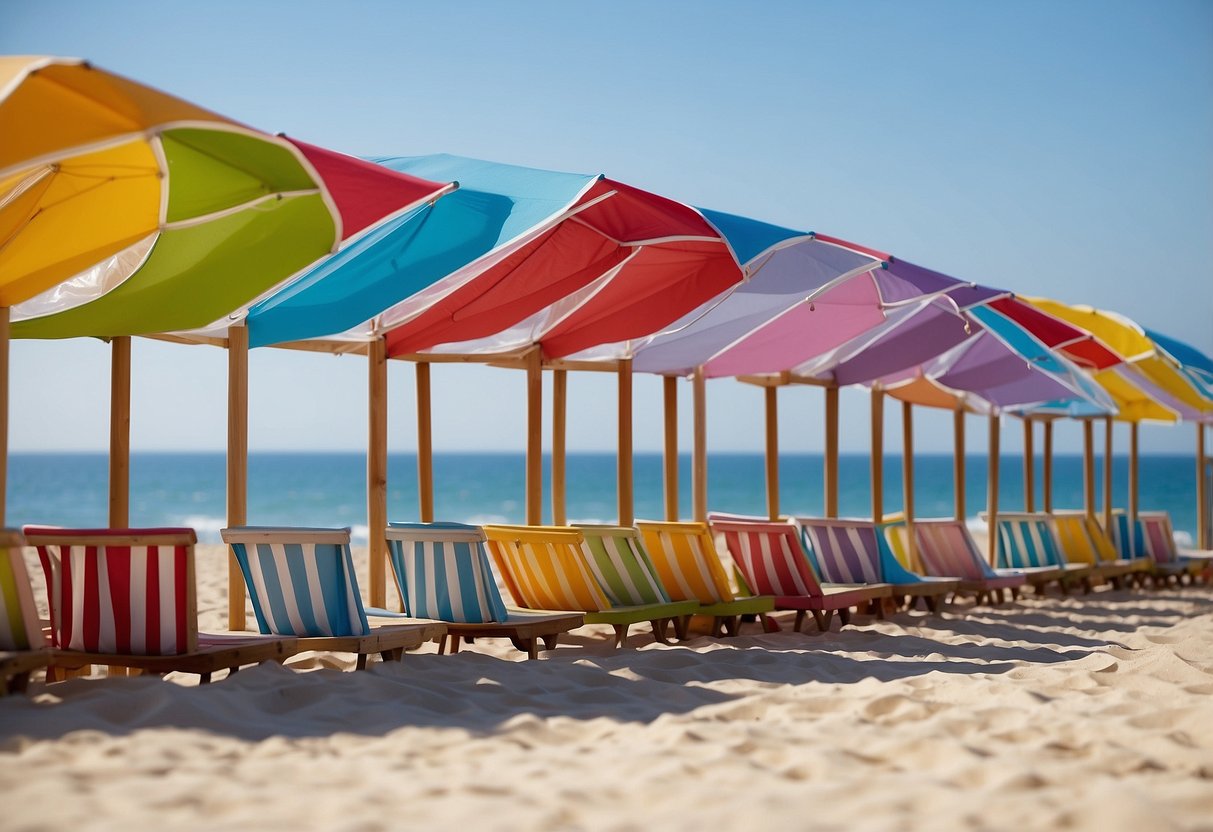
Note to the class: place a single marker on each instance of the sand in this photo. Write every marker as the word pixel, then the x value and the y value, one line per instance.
pixel 1090 712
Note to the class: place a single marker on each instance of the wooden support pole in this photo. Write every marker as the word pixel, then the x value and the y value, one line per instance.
pixel 376 469
pixel 831 460
pixel 958 464
pixel 699 451
pixel 120 433
pixel 534 437
pixel 992 491
pixel 1029 465
pixel 1047 473
pixel 1088 467
pixel 1107 473
pixel 237 463
pixel 624 476
pixel 1133 507
pixel 771 401
pixel 560 397
pixel 877 459
pixel 1202 519
pixel 670 448
pixel 425 443
pixel 907 480
pixel 4 351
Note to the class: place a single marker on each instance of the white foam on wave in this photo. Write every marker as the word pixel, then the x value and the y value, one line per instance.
pixel 206 526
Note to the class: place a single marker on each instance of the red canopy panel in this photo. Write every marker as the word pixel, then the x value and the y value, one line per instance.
pixel 1077 344
pixel 671 261
pixel 364 192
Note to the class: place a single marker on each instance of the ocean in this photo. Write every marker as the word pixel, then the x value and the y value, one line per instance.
pixel 329 489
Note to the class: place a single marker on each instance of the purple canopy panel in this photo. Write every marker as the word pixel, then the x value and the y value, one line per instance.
pixel 1000 375
pixel 930 331
pixel 780 279
pixel 900 281
pixel 805 330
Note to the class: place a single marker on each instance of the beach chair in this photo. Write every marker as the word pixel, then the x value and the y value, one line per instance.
pixel 442 572
pixel 1028 542
pixel 23 647
pixel 553 568
pixel 685 558
pixel 1157 540
pixel 856 552
pixel 1083 540
pixel 127 598
pixel 946 549
pixel 772 561
pixel 301 582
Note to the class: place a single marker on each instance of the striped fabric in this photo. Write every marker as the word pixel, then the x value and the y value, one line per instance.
pixel 621 566
pixel 19 625
pixel 898 540
pixel 770 557
pixel 545 568
pixel 1075 539
pixel 1105 549
pixel 120 591
pixel 301 581
pixel 1157 536
pixel 685 558
pixel 1129 544
pixel 947 550
pixel 1026 541
pixel 442 571
pixel 845 552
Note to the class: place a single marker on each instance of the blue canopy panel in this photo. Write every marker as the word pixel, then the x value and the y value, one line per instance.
pixel 495 204
pixel 748 238
pixel 1194 364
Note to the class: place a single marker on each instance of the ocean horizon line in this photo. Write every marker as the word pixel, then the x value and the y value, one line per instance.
pixel 547 453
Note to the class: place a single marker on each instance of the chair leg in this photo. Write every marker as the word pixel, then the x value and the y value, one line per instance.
pixel 621 634
pixel 682 626
pixel 932 602
pixel 800 614
pixel 844 616
pixel 204 678
pixel 717 626
pixel 532 649
pixel 660 630
pixel 362 661
pixel 549 642
pixel 455 640
pixel 822 623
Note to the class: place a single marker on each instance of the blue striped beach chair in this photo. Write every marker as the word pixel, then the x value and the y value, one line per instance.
pixel 442 572
pixel 1028 542
pixel 23 647
pixel 856 552
pixel 302 584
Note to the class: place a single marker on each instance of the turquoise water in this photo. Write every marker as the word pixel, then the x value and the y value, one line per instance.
pixel 328 489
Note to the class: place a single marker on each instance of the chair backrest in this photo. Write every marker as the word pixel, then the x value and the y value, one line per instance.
pixel 1105 549
pixel 769 555
pixel 845 551
pixel 898 537
pixel 301 581
pixel 1075 538
pixel 442 571
pixel 621 565
pixel 545 568
pixel 684 555
pixel 1026 540
pixel 1158 537
pixel 1127 536
pixel 947 549
pixel 120 591
pixel 20 628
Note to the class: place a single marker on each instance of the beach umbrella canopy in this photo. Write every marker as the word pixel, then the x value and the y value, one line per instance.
pixel 617 263
pixel 422 255
pixel 1149 383
pixel 125 210
pixel 1194 364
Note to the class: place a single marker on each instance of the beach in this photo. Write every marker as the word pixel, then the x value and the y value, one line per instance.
pixel 1085 712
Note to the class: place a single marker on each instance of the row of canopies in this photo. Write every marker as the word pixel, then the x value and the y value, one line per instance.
pixel 125 211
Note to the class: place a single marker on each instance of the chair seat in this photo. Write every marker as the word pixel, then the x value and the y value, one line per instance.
pixel 1034 574
pixel 521 624
pixel 381 639
pixel 215 652
pixel 17 666
pixel 643 612
pixel 928 586
pixel 753 605
pixel 1113 568
pixel 835 597
pixel 990 584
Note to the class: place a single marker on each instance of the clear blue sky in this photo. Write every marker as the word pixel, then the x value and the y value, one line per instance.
pixel 1063 149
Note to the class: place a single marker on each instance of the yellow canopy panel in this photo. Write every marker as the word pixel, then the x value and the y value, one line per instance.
pixel 1132 405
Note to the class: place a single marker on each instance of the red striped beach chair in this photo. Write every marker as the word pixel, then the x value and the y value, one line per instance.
pixel 1169 562
pixel 23 647
pixel 126 598
pixel 773 562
